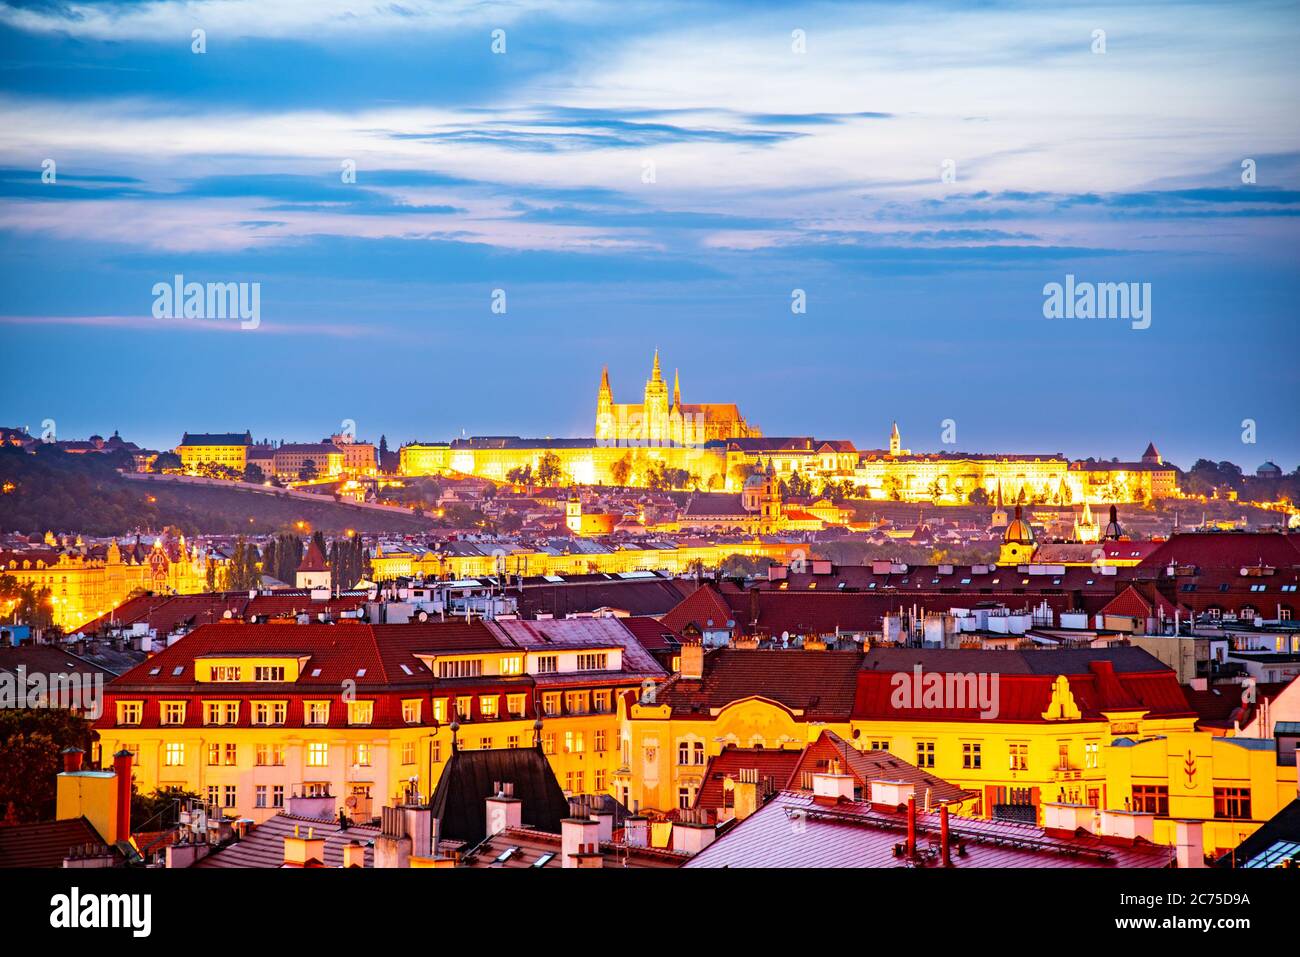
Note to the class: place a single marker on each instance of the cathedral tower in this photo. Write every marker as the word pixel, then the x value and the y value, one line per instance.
pixel 605 408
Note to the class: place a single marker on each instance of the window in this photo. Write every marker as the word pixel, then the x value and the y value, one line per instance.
pixel 971 758
pixel 684 798
pixel 173 712
pixel 318 712
pixel 437 752
pixel 512 665
pixel 440 710
pixel 548 742
pixel 228 795
pixel 925 754
pixel 463 668
pixel 361 755
pixel 516 704
pixel 1151 799
pixel 1091 754
pixel 548 664
pixel 512 741
pixel 1232 803
pixel 408 752
pixel 270 755
pixel 214 755
pixel 593 661
pixel 174 754
pixel 551 703
pixel 487 705
pixel 600 780
pixel 277 795
pixel 214 794
pixel 225 673
pixel 318 754
pixel 259 796
pixel 411 711
pixel 602 740
pixel 1019 756
pixel 270 712
pixel 573 782
pixel 573 742
pixel 268 673
pixel 129 712
pixel 577 702
pixel 464 708
pixel 1063 755
pixel 881 744
pixel 601 701
pixel 230 755
pixel 690 752
pixel 221 712
pixel 361 712
pixel 485 744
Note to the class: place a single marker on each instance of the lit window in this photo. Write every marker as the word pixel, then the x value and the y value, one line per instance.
pixel 225 673
pixel 318 712
pixel 408 752
pixel 516 704
pixel 361 712
pixel 411 711
pixel 173 712
pixel 512 665
pixel 487 705
pixel 129 712
pixel 361 755
pixel 318 754
pixel 174 754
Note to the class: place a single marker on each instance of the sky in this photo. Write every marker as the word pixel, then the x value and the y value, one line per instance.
pixel 542 188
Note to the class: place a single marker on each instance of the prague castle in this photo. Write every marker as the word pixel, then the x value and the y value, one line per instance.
pixel 657 421
pixel 711 447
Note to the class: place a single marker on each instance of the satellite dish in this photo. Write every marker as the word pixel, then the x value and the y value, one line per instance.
pixel 351 802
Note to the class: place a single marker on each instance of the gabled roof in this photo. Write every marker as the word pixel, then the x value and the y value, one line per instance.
pixel 314 560
pixel 774 768
pixel 263 845
pixel 216 438
pixel 704 608
pixel 868 766
pixel 471 777
pixel 47 843
pixel 818 685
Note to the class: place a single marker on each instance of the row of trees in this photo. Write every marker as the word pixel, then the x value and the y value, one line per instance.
pixel 24 603
pixel 350 561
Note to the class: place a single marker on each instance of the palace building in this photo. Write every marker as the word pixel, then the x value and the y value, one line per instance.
pixel 660 420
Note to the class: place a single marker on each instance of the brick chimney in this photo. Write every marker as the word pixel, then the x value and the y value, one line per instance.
pixel 636 831
pixel 354 855
pixel 692 656
pixel 1128 826
pixel 692 837
pixel 72 757
pixel 892 794
pixel 579 840
pixel 298 850
pixel 831 783
pixel 1189 838
pixel 122 776
pixel 503 809
pixel 745 793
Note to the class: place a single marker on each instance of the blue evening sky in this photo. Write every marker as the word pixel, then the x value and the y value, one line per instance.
pixel 639 175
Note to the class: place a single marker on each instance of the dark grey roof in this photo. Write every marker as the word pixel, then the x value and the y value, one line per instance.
pixel 471 777
pixel 1041 662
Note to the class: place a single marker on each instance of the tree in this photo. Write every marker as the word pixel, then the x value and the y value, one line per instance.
pixel 978 496
pixel 521 475
pixel 31 740
pixel 549 471
pixel 308 471
pixel 164 461
pixel 621 470
pixel 254 474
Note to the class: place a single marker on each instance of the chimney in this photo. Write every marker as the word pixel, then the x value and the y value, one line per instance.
pixel 745 793
pixel 503 809
pixel 72 759
pixel 892 794
pixel 832 784
pixel 604 824
pixel 579 840
pixel 1066 819
pixel 911 826
pixel 691 837
pixel 298 850
pixel 636 831
pixel 354 855
pixel 945 841
pixel 1190 840
pixel 1128 826
pixel 122 775
pixel 692 656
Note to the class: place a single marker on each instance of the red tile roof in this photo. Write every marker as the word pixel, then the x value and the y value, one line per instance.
pixel 45 844
pixel 704 608
pixel 774 768
pixel 868 766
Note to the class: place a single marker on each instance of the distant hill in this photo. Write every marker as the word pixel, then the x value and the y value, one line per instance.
pixel 59 491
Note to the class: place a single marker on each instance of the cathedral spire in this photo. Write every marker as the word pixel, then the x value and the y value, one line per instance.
pixel 655 374
pixel 604 379
pixel 677 390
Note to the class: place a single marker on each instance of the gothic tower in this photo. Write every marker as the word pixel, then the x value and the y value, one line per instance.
pixel 655 410
pixel 605 407
pixel 895 441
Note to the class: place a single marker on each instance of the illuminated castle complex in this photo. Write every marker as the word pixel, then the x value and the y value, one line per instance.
pixel 659 420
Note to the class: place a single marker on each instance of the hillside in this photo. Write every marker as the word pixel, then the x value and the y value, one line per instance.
pixel 55 490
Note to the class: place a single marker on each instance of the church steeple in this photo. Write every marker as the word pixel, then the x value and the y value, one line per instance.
pixel 677 390
pixel 895 441
pixel 655 374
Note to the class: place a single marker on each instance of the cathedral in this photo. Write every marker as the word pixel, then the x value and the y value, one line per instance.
pixel 663 420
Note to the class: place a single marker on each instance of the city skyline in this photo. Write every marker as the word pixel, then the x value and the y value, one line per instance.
pixel 920 175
